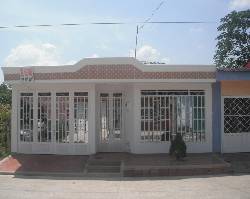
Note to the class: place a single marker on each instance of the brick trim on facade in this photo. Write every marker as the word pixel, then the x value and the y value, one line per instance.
pixel 114 72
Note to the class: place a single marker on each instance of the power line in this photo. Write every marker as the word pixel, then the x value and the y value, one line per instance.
pixel 146 21
pixel 107 23
pixel 152 14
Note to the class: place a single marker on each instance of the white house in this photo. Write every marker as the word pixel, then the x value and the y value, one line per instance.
pixel 110 105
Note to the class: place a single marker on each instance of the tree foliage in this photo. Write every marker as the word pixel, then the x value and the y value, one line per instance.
pixel 233 47
pixel 4 124
pixel 5 112
pixel 5 94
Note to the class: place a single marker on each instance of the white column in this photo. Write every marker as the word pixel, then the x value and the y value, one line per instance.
pixel 14 120
pixel 136 113
pixel 208 116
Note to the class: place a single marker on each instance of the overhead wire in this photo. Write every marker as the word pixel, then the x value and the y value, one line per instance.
pixel 107 23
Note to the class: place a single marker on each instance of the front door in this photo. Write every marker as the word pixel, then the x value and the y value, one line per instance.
pixel 111 130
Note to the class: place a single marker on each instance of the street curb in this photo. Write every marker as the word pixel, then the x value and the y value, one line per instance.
pixel 48 174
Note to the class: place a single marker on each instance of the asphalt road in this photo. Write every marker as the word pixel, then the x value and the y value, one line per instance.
pixel 167 187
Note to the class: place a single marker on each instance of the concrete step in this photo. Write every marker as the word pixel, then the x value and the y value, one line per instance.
pixel 185 170
pixel 103 163
pixel 103 169
pixel 103 175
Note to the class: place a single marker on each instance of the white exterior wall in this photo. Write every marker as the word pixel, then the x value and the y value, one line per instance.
pixel 139 146
pixel 130 118
pixel 14 120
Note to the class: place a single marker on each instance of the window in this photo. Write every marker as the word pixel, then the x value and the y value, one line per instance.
pixel 26 117
pixel 236 115
pixel 80 117
pixel 44 117
pixel 164 113
pixel 62 117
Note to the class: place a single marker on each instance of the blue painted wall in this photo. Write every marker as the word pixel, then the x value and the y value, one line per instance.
pixel 216 117
pixel 216 107
pixel 236 75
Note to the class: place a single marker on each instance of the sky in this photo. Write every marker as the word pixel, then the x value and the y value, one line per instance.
pixel 58 45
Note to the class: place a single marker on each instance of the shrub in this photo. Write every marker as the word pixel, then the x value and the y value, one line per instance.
pixel 178 147
pixel 4 126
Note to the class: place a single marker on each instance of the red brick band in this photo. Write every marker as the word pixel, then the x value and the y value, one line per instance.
pixel 115 72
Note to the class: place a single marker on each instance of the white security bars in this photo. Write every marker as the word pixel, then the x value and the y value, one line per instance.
pixel 26 117
pixel 81 117
pixel 44 117
pixel 117 115
pixel 164 113
pixel 236 115
pixel 104 117
pixel 62 117
pixel 110 116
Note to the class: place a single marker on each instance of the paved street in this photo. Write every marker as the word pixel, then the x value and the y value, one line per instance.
pixel 171 187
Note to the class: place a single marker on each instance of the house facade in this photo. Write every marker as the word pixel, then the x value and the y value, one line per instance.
pixel 123 105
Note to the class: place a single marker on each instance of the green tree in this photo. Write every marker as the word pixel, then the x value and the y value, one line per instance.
pixel 5 94
pixel 4 125
pixel 233 47
pixel 5 109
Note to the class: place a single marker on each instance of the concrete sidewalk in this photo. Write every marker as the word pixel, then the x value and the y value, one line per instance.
pixel 207 187
pixel 113 164
pixel 240 162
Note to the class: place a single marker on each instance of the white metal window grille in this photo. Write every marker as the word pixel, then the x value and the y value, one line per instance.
pixel 26 117
pixel 110 116
pixel 62 117
pixel 44 117
pixel 81 117
pixel 164 113
pixel 236 115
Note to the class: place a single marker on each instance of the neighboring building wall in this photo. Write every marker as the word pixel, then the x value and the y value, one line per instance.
pixel 235 88
pixel 235 132
pixel 216 117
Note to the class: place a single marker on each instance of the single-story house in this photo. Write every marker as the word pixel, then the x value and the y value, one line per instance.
pixel 124 105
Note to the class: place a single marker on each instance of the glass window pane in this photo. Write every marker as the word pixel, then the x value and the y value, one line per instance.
pixel 173 110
